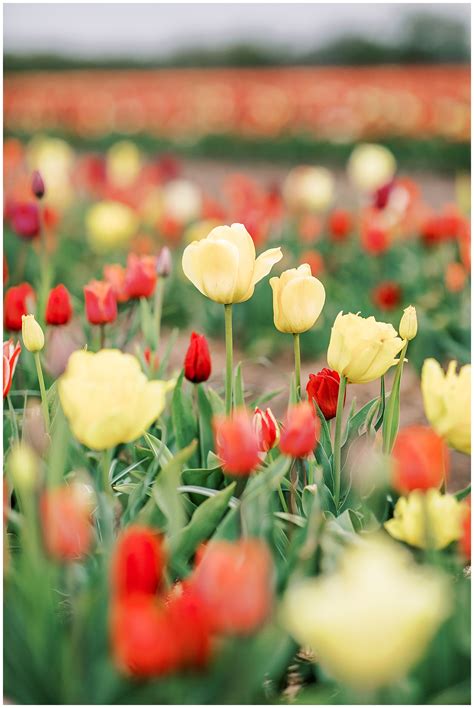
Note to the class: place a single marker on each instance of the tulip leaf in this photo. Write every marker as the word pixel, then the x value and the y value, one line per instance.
pixel 325 437
pixel 147 323
pixel 463 493
pixel 266 397
pixel 165 490
pixel 217 403
pixel 184 422
pixel 355 421
pixel 166 356
pixel 268 479
pixel 158 448
pixel 238 386
pixel 206 441
pixel 291 518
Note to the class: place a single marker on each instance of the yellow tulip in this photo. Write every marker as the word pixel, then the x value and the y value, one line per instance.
pixel 371 167
pixel 408 324
pixel 124 163
pixel 370 621
pixel 223 266
pixel 107 399
pixel 110 225
pixel 298 298
pixel 54 158
pixel 447 401
pixel 309 189
pixel 428 519
pixel 23 466
pixel 361 348
pixel 32 334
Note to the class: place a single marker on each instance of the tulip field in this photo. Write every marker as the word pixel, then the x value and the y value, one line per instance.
pixel 213 493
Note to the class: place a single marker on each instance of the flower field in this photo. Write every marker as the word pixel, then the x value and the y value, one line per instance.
pixel 174 534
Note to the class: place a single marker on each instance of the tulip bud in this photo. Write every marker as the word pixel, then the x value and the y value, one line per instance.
pixel 101 305
pixel 37 185
pixel 164 262
pixel 420 460
pixel 298 299
pixel 323 388
pixel 197 363
pixel 11 352
pixel 33 337
pixel 138 562
pixel 266 429
pixel 408 323
pixel 236 443
pixel 301 431
pixel 58 307
pixel 23 467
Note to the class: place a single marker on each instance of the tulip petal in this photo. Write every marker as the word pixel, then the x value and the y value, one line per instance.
pixel 302 301
pixel 190 264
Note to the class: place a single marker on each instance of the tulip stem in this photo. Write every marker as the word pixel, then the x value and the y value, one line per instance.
pixel 44 398
pixel 105 464
pixel 102 336
pixel 337 441
pixel 296 346
pixel 229 359
pixel 159 295
pixel 389 435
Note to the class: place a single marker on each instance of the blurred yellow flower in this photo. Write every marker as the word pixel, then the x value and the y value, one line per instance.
pixel 298 299
pixel 427 519
pixel 54 158
pixel 124 163
pixel 408 324
pixel 309 188
pixel 372 620
pixel 371 166
pixel 110 225
pixel 23 466
pixel 223 266
pixel 361 348
pixel 32 334
pixel 182 200
pixel 447 401
pixel 108 399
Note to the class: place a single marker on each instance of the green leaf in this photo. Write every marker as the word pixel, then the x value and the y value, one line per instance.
pixel 291 518
pixel 217 403
pixel 146 321
pixel 184 422
pixel 238 386
pixel 158 448
pixel 206 440
pixel 268 479
pixel 463 493
pixel 165 490
pixel 166 356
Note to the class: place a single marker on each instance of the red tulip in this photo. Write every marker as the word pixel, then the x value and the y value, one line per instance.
pixel 266 429
pixel 190 617
pixel 138 562
pixel 37 185
pixel 58 307
pixel 420 460
pixel 234 580
pixel 197 363
pixel 314 260
pixel 323 388
pixel 340 224
pixel 25 219
pixel 114 274
pixel 236 443
pixel 10 359
pixel 101 305
pixel 301 431
pixel 382 195
pixel 66 521
pixel 374 240
pixel 387 296
pixel 19 301
pixel 140 276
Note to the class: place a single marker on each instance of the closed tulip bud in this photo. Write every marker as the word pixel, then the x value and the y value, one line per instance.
pixel 427 520
pixel 300 433
pixel 266 429
pixel 101 305
pixel 58 307
pixel 18 301
pixel 140 276
pixel 37 185
pixel 420 460
pixel 23 467
pixel 361 348
pixel 323 389
pixel 197 363
pixel 11 353
pixel 408 324
pixel 25 220
pixel 447 402
pixel 298 299
pixel 236 443
pixel 32 334
pixel 138 562
pixel 164 262
pixel 65 514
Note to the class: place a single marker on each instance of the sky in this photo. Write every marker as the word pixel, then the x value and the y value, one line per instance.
pixel 147 30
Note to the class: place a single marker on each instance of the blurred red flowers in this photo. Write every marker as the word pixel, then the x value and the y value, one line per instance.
pixel 25 219
pixel 266 429
pixel 11 353
pixel 114 274
pixel 197 363
pixel 387 296
pixel 300 433
pixel 18 301
pixel 323 388
pixel 138 562
pixel 66 521
pixel 340 224
pixel 140 276
pixel 101 305
pixel 374 239
pixel 58 307
pixel 420 460
pixel 236 443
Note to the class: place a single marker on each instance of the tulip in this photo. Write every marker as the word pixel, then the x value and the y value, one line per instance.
pixel 408 324
pixel 340 224
pixel 374 239
pixel 11 353
pixel 32 334
pixel 138 562
pixel 382 195
pixel 370 167
pixel 223 566
pixel 197 363
pixel 314 260
pixel 23 467
pixel 323 389
pixel 107 399
pixel 236 443
pixel 192 624
pixel 18 301
pixel 25 220
pixel 300 433
pixel 65 514
pixel 110 225
pixel 101 305
pixel 385 607
pixel 309 189
pixel 420 460
pixel 266 429
pixel 427 519
pixel 362 349
pixel 58 307
pixel 37 185
pixel 387 296
pixel 123 163
pixel 298 299
pixel 182 201
pixel 447 402
pixel 164 262
pixel 140 276
pixel 114 274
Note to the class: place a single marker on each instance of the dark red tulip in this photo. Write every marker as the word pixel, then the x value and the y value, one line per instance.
pixel 323 388
pixel 25 219
pixel 197 363
pixel 58 307
pixel 340 224
pixel 387 295
pixel 37 185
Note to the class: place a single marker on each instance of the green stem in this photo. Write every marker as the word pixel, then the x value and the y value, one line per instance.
pixel 389 435
pixel 159 296
pixel 296 346
pixel 105 467
pixel 44 399
pixel 337 441
pixel 229 359
pixel 44 274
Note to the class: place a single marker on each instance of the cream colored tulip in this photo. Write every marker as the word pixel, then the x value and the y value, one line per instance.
pixel 309 188
pixel 32 334
pixel 361 348
pixel 223 266
pixel 298 298
pixel 447 401
pixel 408 324
pixel 370 621
pixel 371 167
pixel 182 200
